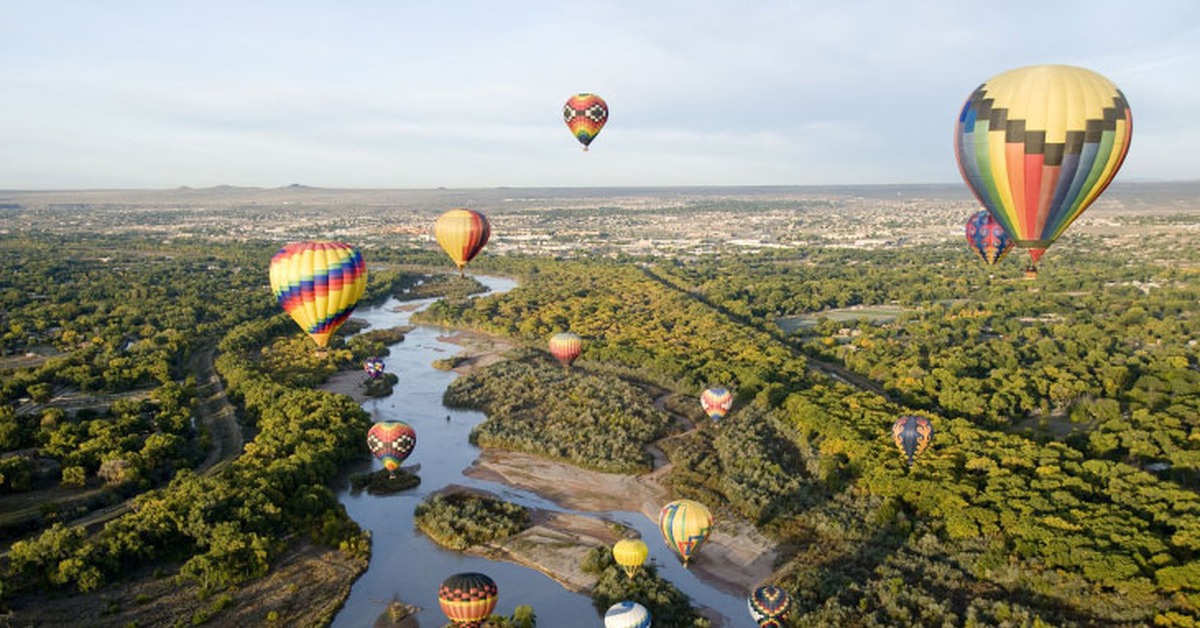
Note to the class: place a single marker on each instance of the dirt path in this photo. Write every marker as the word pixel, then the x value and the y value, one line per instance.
pixel 212 409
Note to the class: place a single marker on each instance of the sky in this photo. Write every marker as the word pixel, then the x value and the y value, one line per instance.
pixel 469 93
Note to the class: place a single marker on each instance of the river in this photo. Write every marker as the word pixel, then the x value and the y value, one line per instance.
pixel 406 564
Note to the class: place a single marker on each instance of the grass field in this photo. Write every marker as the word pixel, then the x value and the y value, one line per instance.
pixel 873 313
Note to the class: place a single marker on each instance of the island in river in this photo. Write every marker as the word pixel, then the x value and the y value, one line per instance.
pixel 736 557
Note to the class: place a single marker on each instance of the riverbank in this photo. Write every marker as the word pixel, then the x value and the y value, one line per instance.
pixel 307 585
pixel 736 557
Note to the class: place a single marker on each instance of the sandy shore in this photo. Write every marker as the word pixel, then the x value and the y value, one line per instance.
pixel 736 557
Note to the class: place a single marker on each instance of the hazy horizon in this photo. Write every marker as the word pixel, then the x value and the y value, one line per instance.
pixel 362 95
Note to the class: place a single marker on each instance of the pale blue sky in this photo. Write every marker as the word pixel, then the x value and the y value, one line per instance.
pixel 408 94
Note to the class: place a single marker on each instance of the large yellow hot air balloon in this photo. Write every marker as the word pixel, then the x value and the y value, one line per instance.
pixel 318 284
pixel 1038 144
pixel 685 525
pixel 462 234
pixel 630 554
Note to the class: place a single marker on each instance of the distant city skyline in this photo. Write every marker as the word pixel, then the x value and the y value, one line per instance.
pixel 466 94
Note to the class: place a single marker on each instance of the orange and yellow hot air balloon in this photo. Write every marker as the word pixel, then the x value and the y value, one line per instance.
pixel 585 115
pixel 1037 145
pixel 318 284
pixel 565 347
pixel 462 234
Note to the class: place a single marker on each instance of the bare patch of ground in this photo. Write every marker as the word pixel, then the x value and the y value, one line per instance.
pixel 307 586
pixel 478 350
pixel 736 557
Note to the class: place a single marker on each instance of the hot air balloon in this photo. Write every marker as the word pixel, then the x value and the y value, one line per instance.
pixel 391 442
pixel 373 367
pixel 462 234
pixel 630 554
pixel 468 598
pixel 627 615
pixel 716 402
pixel 565 347
pixel 585 115
pixel 318 283
pixel 912 434
pixel 987 238
pixel 769 604
pixel 685 525
pixel 1038 144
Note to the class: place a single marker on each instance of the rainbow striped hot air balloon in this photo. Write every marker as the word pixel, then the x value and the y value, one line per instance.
pixel 716 402
pixel 391 442
pixel 318 284
pixel 912 434
pixel 627 615
pixel 1038 144
pixel 630 554
pixel 987 238
pixel 769 604
pixel 462 233
pixel 685 525
pixel 565 347
pixel 468 598
pixel 585 115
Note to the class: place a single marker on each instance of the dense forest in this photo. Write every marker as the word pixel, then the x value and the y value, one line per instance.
pixel 1070 499
pixel 122 315
pixel 1061 487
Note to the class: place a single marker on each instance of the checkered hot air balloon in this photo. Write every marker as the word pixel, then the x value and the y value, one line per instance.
pixel 318 284
pixel 685 525
pixel 913 435
pixel 627 615
pixel 462 233
pixel 1037 145
pixel 585 115
pixel 373 367
pixel 716 402
pixel 391 442
pixel 987 237
pixel 769 605
pixel 468 598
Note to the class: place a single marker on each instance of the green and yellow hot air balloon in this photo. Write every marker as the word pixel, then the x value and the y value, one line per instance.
pixel 685 526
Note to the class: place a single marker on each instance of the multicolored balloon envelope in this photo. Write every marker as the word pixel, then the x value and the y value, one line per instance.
pixel 630 554
pixel 627 615
pixel 585 115
pixel 468 598
pixel 987 237
pixel 391 442
pixel 913 435
pixel 565 347
pixel 716 402
pixel 768 603
pixel 318 284
pixel 462 233
pixel 373 367
pixel 685 525
pixel 1038 144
